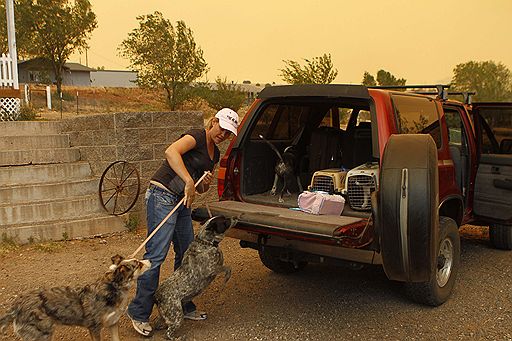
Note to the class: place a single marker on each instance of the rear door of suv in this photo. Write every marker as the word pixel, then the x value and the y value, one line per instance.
pixel 493 184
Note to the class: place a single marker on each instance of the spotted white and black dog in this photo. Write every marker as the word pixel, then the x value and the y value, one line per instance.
pixel 285 170
pixel 93 306
pixel 202 262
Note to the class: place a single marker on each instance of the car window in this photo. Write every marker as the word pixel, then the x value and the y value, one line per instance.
pixel 363 116
pixel 454 124
pixel 417 115
pixel 497 132
pixel 280 121
pixel 344 117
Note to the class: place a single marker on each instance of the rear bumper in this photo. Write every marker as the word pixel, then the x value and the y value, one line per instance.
pixel 315 248
pixel 293 239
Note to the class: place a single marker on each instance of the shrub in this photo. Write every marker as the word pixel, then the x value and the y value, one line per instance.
pixel 132 223
pixel 27 113
pixel 226 95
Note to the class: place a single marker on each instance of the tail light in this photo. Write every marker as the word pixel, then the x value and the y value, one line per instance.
pixel 228 178
pixel 221 175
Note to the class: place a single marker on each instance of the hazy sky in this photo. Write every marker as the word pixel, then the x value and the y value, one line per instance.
pixel 421 41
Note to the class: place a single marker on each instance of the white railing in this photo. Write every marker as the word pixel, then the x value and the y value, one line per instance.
pixel 6 71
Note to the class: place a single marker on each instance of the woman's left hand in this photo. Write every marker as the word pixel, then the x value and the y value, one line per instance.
pixel 205 183
pixel 207 180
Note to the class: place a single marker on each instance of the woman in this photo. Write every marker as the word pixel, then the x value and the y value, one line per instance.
pixel 186 161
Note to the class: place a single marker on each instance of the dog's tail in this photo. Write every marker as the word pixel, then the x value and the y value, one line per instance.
pixel 273 147
pixel 7 319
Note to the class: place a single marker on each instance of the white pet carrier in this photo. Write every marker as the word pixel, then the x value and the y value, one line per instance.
pixel 360 182
pixel 328 180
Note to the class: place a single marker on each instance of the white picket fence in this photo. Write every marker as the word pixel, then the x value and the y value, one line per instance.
pixel 6 71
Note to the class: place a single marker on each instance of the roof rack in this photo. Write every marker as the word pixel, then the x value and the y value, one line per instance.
pixel 466 95
pixel 441 92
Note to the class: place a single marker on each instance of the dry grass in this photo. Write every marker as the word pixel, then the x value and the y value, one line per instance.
pixel 102 100
pixel 96 100
pixel 49 247
pixel 7 244
pixel 474 232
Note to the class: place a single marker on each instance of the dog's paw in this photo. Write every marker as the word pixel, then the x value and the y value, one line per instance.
pixel 273 191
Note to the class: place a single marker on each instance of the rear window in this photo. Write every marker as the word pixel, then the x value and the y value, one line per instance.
pixel 417 115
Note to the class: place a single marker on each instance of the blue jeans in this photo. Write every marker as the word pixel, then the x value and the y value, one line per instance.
pixel 178 229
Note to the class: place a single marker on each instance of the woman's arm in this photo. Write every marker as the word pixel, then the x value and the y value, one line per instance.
pixel 173 154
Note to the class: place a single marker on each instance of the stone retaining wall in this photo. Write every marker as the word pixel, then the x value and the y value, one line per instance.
pixel 140 138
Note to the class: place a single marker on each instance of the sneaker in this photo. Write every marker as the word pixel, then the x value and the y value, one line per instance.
pixel 196 315
pixel 143 328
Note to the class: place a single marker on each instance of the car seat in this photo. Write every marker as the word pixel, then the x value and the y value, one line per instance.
pixel 357 146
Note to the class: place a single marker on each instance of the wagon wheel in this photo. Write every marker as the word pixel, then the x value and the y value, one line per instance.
pixel 119 187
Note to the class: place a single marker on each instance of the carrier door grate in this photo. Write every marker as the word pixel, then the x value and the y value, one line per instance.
pixel 323 183
pixel 359 191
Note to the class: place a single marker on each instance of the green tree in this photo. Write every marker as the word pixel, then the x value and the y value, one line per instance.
pixel 368 79
pixel 384 78
pixel 318 70
pixel 225 95
pixel 492 81
pixel 164 56
pixel 52 30
pixel 23 35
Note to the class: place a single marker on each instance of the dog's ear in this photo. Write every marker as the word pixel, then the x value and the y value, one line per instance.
pixel 121 273
pixel 117 259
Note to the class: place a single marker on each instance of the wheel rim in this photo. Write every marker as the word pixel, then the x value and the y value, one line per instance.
pixel 444 262
pixel 119 187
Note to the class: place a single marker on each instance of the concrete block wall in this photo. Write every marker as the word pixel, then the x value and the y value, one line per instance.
pixel 140 138
pixel 46 192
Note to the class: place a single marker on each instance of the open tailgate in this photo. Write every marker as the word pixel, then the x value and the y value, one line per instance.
pixel 280 219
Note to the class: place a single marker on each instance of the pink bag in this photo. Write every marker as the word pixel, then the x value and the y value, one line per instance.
pixel 321 203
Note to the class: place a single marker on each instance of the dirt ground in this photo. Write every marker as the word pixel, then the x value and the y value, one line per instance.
pixel 320 303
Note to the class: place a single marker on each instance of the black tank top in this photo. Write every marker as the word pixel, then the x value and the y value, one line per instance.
pixel 196 160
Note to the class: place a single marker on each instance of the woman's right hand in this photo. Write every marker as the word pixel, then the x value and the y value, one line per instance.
pixel 190 192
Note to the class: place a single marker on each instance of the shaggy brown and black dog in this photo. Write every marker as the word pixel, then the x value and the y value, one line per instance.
pixel 93 306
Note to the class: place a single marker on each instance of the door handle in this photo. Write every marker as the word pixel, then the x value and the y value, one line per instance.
pixel 503 184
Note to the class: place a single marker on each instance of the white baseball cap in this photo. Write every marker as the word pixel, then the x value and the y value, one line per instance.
pixel 228 119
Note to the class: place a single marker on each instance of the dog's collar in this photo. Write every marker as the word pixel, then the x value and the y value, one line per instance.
pixel 209 243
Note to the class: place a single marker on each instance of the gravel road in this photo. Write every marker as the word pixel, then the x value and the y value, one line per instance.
pixel 320 303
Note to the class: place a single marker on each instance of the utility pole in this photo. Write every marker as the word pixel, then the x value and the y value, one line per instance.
pixel 11 39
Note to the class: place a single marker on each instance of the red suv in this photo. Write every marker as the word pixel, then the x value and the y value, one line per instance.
pixel 411 167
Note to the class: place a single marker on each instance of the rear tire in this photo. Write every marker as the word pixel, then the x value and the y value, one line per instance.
pixel 271 259
pixel 501 236
pixel 439 288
